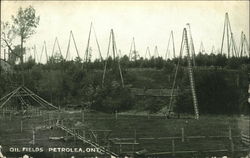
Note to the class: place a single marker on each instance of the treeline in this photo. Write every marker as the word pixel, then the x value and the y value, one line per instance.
pixel 218 60
pixel 221 83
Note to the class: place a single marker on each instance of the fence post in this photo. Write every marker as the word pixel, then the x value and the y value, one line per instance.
pixel 33 137
pixel 49 119
pixel 21 126
pixel 74 131
pixel 10 116
pixel 148 115
pixel 116 115
pixel 173 147
pixel 229 133
pixel 182 135
pixel 83 135
pixel 4 113
pixel 232 148
pixel 82 116
pixel 135 136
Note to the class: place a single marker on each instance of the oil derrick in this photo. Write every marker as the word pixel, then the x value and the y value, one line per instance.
pixel 230 42
pixel 44 49
pixel 112 46
pixel 213 50
pixel 58 46
pixel 68 48
pixel 133 53
pixel 156 53
pixel 191 45
pixel 244 47
pixel 147 53
pixel 202 49
pixel 167 55
pixel 87 55
pixel 24 95
pixel 184 47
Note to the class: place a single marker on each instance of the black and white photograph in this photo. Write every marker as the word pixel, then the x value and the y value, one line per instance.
pixel 125 79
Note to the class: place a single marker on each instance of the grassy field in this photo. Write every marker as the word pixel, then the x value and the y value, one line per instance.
pixel 153 134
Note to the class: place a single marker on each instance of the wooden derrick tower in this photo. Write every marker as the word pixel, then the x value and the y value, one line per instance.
pixel 87 55
pixel 191 45
pixel 67 56
pixel 244 49
pixel 44 50
pixel 171 38
pixel 112 46
pixel 147 54
pixel 56 43
pixel 230 42
pixel 185 47
pixel 156 53
pixel 133 54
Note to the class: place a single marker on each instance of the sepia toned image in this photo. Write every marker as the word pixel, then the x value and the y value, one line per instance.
pixel 124 79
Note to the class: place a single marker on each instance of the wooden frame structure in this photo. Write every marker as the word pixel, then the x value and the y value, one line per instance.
pixel 167 55
pixel 184 45
pixel 54 45
pixel 71 35
pixel 44 49
pixel 21 92
pixel 230 42
pixel 156 53
pixel 115 57
pixel 87 55
pixel 148 53
pixel 132 52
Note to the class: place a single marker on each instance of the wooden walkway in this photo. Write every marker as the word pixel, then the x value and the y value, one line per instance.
pixel 93 144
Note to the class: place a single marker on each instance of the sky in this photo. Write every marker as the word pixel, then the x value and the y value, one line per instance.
pixel 149 22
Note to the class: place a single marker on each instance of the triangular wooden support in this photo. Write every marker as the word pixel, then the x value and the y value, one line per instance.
pixel 21 93
pixel 148 53
pixel 112 45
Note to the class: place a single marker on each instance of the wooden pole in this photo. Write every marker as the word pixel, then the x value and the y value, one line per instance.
pixel 82 115
pixel 3 112
pixel 21 126
pixel 182 135
pixel 173 147
pixel 33 136
pixel 229 133
pixel 232 148
pixel 135 136
pixel 83 135
pixel 120 148
pixel 74 131
pixel 10 116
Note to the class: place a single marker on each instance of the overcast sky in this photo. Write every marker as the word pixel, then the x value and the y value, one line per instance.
pixel 150 23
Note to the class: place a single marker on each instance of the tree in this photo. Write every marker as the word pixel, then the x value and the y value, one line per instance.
pixel 7 35
pixel 24 24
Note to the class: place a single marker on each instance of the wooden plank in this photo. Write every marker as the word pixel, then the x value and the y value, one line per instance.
pixel 126 143
pixel 86 140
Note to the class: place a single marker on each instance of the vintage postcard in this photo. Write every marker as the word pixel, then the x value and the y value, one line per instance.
pixel 124 79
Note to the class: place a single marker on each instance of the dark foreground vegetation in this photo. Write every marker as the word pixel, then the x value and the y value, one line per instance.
pixel 221 83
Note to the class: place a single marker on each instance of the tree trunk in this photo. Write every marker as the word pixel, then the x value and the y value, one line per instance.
pixel 21 60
